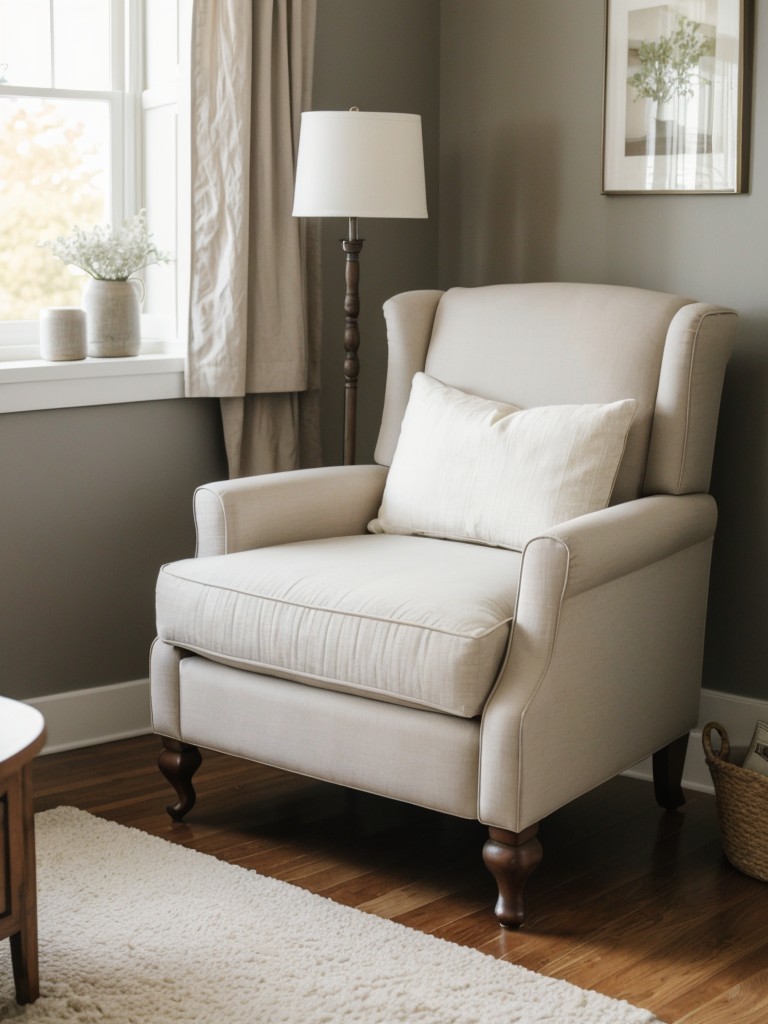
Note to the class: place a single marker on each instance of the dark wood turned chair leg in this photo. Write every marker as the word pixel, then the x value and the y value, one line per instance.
pixel 668 764
pixel 511 857
pixel 178 762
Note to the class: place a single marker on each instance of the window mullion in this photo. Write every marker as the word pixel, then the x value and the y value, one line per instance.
pixel 118 126
pixel 118 24
pixel 64 94
pixel 52 37
pixel 134 82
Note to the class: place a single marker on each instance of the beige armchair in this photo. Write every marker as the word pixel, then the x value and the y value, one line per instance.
pixel 434 633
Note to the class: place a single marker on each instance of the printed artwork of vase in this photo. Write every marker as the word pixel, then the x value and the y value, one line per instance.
pixel 669 102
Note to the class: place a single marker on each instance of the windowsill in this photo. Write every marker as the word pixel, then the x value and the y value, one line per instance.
pixel 28 383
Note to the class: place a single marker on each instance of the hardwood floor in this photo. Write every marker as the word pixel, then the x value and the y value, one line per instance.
pixel 630 901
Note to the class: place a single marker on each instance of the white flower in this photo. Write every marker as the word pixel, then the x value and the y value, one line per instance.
pixel 107 254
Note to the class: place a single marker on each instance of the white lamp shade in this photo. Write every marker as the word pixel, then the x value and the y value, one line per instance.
pixel 355 163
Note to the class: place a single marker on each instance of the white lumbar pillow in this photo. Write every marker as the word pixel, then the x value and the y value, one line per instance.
pixel 466 468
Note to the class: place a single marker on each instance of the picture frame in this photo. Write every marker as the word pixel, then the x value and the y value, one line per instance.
pixel 677 96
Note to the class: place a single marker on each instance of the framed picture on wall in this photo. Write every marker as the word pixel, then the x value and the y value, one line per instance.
pixel 677 108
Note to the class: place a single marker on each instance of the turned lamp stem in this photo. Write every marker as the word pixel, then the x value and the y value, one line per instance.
pixel 352 247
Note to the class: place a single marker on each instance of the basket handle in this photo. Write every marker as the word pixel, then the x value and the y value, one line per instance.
pixel 706 739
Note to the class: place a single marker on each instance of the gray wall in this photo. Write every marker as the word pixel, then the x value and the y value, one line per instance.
pixel 520 155
pixel 92 502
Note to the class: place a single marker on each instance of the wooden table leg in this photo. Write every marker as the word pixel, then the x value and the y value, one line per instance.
pixel 22 735
pixel 24 953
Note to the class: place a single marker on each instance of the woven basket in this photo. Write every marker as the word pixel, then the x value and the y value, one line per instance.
pixel 742 806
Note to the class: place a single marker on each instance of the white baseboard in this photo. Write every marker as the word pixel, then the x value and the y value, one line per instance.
pixel 82 718
pixel 738 715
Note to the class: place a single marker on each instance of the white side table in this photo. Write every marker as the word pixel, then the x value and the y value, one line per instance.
pixel 22 734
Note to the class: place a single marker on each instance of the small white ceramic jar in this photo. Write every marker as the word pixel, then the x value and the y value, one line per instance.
pixel 62 333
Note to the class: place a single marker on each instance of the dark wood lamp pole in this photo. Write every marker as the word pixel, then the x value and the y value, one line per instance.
pixel 352 247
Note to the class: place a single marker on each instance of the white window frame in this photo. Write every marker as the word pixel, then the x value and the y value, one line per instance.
pixel 28 382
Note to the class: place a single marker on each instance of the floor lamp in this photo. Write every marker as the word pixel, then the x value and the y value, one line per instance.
pixel 354 163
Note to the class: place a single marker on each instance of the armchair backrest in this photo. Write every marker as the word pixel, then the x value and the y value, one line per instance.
pixel 554 344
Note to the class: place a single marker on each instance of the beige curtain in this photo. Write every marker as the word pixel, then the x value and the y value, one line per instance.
pixel 254 274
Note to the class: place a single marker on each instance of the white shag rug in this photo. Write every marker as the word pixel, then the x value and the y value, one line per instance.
pixel 137 930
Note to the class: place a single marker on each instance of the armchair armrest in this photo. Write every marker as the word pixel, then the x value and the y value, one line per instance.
pixel 278 508
pixel 605 654
pixel 624 538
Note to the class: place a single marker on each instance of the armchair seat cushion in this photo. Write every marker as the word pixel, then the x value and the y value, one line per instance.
pixel 411 620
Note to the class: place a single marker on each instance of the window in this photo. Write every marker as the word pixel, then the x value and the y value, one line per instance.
pixel 88 135
pixel 65 104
